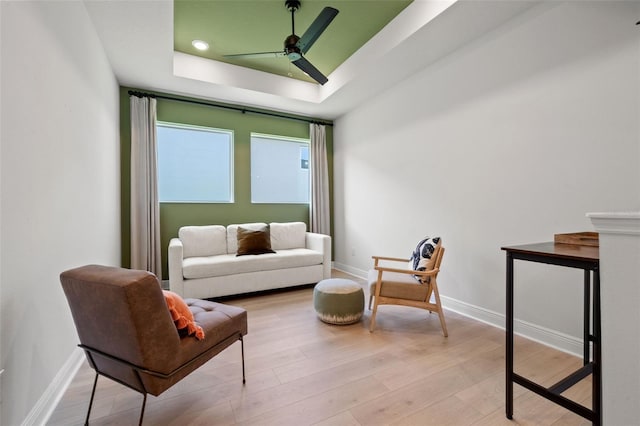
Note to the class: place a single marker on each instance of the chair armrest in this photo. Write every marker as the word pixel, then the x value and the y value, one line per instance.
pixel 175 256
pixel 395 259
pixel 428 273
pixel 377 259
pixel 322 244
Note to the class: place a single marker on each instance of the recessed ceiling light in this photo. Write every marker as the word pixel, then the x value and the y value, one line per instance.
pixel 200 45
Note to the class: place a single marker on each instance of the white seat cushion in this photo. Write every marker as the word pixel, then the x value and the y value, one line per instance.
pixel 230 264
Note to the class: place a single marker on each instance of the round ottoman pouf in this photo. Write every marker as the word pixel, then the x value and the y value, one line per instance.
pixel 338 301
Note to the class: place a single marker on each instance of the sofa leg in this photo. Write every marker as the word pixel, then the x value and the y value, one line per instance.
pixel 242 350
pixel 93 392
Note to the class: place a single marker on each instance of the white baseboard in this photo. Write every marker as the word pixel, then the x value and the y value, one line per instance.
pixel 350 270
pixel 553 338
pixel 40 413
pixel 546 336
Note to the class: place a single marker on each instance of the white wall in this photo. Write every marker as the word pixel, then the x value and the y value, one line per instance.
pixel 505 141
pixel 60 180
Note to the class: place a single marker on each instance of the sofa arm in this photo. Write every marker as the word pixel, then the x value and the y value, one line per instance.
pixel 176 278
pixel 321 243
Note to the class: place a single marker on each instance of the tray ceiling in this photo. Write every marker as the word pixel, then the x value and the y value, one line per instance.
pixel 248 26
pixel 138 38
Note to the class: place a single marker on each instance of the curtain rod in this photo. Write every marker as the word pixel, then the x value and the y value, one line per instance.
pixel 230 107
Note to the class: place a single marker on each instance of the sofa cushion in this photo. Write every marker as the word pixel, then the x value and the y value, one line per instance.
pixel 397 285
pixel 288 235
pixel 232 235
pixel 203 240
pixel 253 241
pixel 229 264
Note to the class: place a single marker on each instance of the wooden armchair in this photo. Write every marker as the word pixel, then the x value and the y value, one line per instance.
pixel 398 286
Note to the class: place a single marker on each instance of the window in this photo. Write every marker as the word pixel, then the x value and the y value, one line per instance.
pixel 195 164
pixel 279 169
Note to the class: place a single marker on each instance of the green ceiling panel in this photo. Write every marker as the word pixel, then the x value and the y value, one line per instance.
pixel 248 26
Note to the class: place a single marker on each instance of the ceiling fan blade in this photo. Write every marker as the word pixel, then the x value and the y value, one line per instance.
pixel 316 28
pixel 311 71
pixel 277 54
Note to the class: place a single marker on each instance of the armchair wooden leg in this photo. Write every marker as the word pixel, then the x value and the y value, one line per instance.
pixel 372 325
pixel 442 323
pixel 440 312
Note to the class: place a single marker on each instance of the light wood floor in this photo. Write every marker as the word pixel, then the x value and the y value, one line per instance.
pixel 301 371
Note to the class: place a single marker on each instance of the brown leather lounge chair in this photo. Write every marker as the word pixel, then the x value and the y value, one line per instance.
pixel 128 335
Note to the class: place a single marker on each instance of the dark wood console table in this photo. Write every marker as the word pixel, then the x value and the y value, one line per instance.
pixel 572 256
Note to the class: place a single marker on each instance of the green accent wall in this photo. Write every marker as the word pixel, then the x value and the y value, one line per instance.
pixel 175 215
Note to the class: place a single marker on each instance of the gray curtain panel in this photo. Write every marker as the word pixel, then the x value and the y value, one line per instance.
pixel 319 220
pixel 145 207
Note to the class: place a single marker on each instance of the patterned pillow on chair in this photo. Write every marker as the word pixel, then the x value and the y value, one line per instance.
pixel 422 257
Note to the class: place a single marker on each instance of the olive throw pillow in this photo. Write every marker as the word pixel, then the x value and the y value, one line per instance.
pixel 254 241
pixel 422 258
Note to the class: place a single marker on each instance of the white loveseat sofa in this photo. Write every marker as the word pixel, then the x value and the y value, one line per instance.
pixel 203 261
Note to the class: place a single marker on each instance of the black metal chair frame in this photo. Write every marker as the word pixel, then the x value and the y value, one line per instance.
pixel 90 352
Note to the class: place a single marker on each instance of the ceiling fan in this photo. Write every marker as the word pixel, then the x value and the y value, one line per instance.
pixel 294 46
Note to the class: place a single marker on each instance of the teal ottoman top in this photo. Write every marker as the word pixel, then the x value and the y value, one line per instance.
pixel 338 301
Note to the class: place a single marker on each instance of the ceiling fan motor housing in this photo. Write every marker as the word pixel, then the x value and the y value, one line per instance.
pixel 291 48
